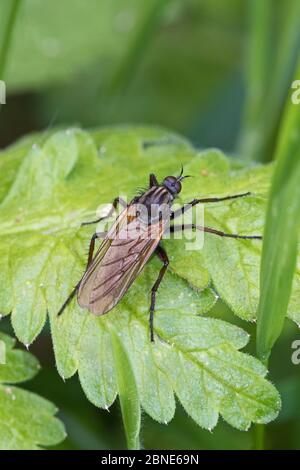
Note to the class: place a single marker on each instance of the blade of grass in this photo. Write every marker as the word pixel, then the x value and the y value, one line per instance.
pixel 111 96
pixel 128 393
pixel 281 234
pixel 152 11
pixel 287 55
pixel 265 101
pixel 5 39
pixel 8 22
pixel 257 68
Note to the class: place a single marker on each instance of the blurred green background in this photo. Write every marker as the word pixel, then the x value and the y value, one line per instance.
pixel 218 72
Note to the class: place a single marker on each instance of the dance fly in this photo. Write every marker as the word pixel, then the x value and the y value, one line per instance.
pixel 133 238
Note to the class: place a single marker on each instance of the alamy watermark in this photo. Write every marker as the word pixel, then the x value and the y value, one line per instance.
pixel 2 92
pixel 296 94
pixel 152 222
pixel 2 353
pixel 296 354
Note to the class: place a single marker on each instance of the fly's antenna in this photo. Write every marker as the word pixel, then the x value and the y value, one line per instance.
pixel 179 178
pixel 186 176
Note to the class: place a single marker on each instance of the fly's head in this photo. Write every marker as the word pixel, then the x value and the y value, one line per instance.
pixel 173 183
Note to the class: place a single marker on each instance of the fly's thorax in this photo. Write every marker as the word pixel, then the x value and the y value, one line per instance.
pixel 154 205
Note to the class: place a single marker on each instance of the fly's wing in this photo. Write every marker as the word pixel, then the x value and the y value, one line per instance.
pixel 122 255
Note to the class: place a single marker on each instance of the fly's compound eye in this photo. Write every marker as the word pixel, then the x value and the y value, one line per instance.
pixel 172 184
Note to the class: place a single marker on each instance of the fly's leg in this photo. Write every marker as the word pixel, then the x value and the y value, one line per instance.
pixel 164 258
pixel 95 236
pixel 194 202
pixel 176 228
pixel 90 258
pixel 69 299
pixel 116 201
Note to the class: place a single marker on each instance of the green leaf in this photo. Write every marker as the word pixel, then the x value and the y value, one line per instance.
pixel 58 183
pixel 233 266
pixel 128 392
pixel 281 235
pixel 26 420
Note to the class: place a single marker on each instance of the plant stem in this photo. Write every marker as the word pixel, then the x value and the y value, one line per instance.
pixel 260 429
pixel 259 437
